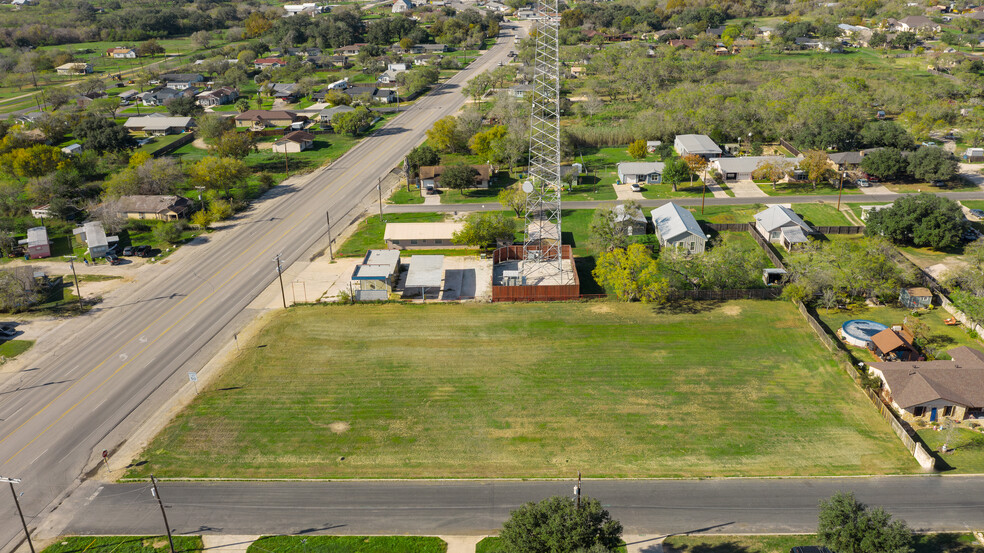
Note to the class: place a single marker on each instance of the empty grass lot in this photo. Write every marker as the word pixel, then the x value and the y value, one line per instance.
pixel 124 544
pixel 620 390
pixel 348 544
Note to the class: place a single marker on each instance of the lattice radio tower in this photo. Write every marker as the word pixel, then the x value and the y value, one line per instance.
pixel 542 260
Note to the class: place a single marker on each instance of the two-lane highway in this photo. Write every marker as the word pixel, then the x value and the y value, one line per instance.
pixel 90 389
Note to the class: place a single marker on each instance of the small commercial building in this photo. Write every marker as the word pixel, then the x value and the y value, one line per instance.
pixel 375 277
pixel 294 142
pixel 404 236
pixel 94 237
pixel 37 244
pixel 696 144
pixel 677 228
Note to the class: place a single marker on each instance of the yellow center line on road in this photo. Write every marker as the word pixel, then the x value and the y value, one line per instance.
pixel 168 329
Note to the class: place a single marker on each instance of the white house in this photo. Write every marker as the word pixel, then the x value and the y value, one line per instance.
pixel 400 6
pixel 697 144
pixel 741 168
pixel 640 172
pixel 781 225
pixel 677 228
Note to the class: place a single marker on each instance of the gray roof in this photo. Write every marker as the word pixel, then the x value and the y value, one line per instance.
pixel 182 77
pixel 328 113
pixel 672 221
pixel 640 167
pixel 777 216
pixel 148 203
pixel 36 236
pixel 634 215
pixel 426 271
pixel 794 235
pixel 377 265
pixel 749 163
pixel 95 235
pixel 698 144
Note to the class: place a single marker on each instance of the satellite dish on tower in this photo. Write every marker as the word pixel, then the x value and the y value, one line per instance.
pixel 528 187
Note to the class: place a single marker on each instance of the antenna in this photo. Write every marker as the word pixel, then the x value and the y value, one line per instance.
pixel 542 262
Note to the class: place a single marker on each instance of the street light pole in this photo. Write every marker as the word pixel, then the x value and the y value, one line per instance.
pixel 280 275
pixel 13 481
pixel 167 526
pixel 71 262
pixel 331 255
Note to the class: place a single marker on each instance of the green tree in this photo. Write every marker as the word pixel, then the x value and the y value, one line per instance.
pixel 234 144
pixel 632 274
pixel 696 164
pixel 849 526
pixel 183 106
pixel 637 149
pixel 201 39
pixel 351 122
pixel 219 210
pixel 868 268
pixel 514 198
pixel 150 48
pixel 418 79
pixel 930 163
pixel 216 173
pixel 487 144
pixel 421 156
pixel 676 170
pixel 169 233
pixel 609 230
pixel 816 165
pixel 921 220
pixel 257 24
pixel 201 219
pixel 34 161
pixel 105 107
pixel 242 105
pixel 557 525
pixel 213 125
pixel 14 295
pixel 485 229
pixel 459 176
pixel 444 135
pixel 888 134
pixel 773 171
pixel 886 163
pixel 103 135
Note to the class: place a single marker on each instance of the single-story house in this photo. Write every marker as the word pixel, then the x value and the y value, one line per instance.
pixel 41 211
pixel 974 154
pixel 325 115
pixel 917 23
pixel 162 96
pixel 697 144
pixel 182 81
pixel 161 208
pixel 159 126
pixel 217 97
pixel 355 92
pixel 430 175
pixel 374 278
pixel 351 49
pixel 121 53
pixel 633 220
pixel 432 48
pixel 38 245
pixel 294 142
pixel 677 228
pixel 268 63
pixel 520 90
pixel 72 149
pixel 403 236
pixel 845 161
pixel 928 390
pixel 894 345
pixel 640 172
pixel 283 91
pixel 780 225
pixel 915 298
pixel 400 6
pixel 94 237
pixel 735 169
pixel 267 118
pixel 74 68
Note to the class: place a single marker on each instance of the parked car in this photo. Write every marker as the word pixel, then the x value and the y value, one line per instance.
pixel 977 213
pixel 8 330
pixel 636 188
pixel 142 251
pixel 429 189
pixel 113 260
pixel 871 178
pixel 128 251
pixel 929 143
pixel 971 234
pixel 938 183
pixel 863 183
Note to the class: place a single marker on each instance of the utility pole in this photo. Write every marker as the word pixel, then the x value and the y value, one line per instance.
pixel 13 481
pixel 379 188
pixel 286 166
pixel 280 275
pixel 577 491
pixel 71 262
pixel 201 189
pixel 840 190
pixel 331 255
pixel 167 526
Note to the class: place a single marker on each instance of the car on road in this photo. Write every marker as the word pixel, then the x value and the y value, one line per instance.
pixel 500 63
pixel 128 251
pixel 7 330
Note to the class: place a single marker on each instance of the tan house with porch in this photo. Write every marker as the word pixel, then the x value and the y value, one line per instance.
pixel 927 391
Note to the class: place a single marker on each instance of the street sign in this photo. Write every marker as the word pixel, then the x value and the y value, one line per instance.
pixel 193 377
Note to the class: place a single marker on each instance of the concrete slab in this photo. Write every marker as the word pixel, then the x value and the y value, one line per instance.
pixel 462 544
pixel 624 192
pixel 876 189
pixel 643 544
pixel 432 199
pixel 227 544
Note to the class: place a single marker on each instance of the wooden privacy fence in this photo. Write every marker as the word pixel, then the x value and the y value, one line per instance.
pixel 727 226
pixel 730 294
pixel 905 433
pixel 188 138
pixel 841 229
pixel 792 149
pixel 553 292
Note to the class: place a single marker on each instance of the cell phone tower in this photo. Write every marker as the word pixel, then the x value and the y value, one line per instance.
pixel 542 261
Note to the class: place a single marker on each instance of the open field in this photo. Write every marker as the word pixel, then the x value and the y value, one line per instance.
pixel 348 544
pixel 922 543
pixel 124 544
pixel 417 391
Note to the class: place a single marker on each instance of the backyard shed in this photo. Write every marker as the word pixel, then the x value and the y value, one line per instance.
pixel 426 274
pixel 37 243
pixel 916 298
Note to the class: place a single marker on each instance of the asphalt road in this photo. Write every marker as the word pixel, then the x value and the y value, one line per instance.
pixel 852 198
pixel 645 507
pixel 111 369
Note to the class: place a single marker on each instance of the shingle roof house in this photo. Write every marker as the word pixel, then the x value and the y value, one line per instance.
pixel 928 390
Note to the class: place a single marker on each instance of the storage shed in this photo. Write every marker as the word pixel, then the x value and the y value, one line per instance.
pixel 916 298
pixel 37 243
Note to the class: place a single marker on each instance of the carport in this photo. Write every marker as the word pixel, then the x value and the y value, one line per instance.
pixel 426 274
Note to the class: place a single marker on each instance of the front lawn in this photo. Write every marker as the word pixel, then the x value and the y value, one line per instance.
pixel 820 215
pixel 955 184
pixel 455 390
pixel 369 234
pixel 922 543
pixel 13 348
pixel 805 189
pixel 965 448
pixel 348 544
pixel 124 544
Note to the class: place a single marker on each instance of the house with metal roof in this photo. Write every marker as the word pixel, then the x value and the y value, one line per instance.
pixel 780 225
pixel 640 172
pixel 375 277
pixel 37 243
pixel 735 169
pixel 632 219
pixel 696 144
pixel 159 126
pixel 677 228
pixel 94 237
pixel 403 236
pixel 927 391
pixel 182 81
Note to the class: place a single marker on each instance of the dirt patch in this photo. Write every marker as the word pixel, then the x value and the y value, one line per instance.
pixel 601 308
pixel 733 310
pixel 264 146
pixel 156 544
pixel 339 427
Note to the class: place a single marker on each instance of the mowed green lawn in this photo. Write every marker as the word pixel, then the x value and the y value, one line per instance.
pixel 537 390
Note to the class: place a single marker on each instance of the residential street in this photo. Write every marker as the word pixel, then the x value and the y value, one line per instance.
pixel 95 379
pixel 728 506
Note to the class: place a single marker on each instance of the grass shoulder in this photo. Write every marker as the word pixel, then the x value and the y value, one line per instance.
pixel 922 543
pixel 348 544
pixel 124 544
